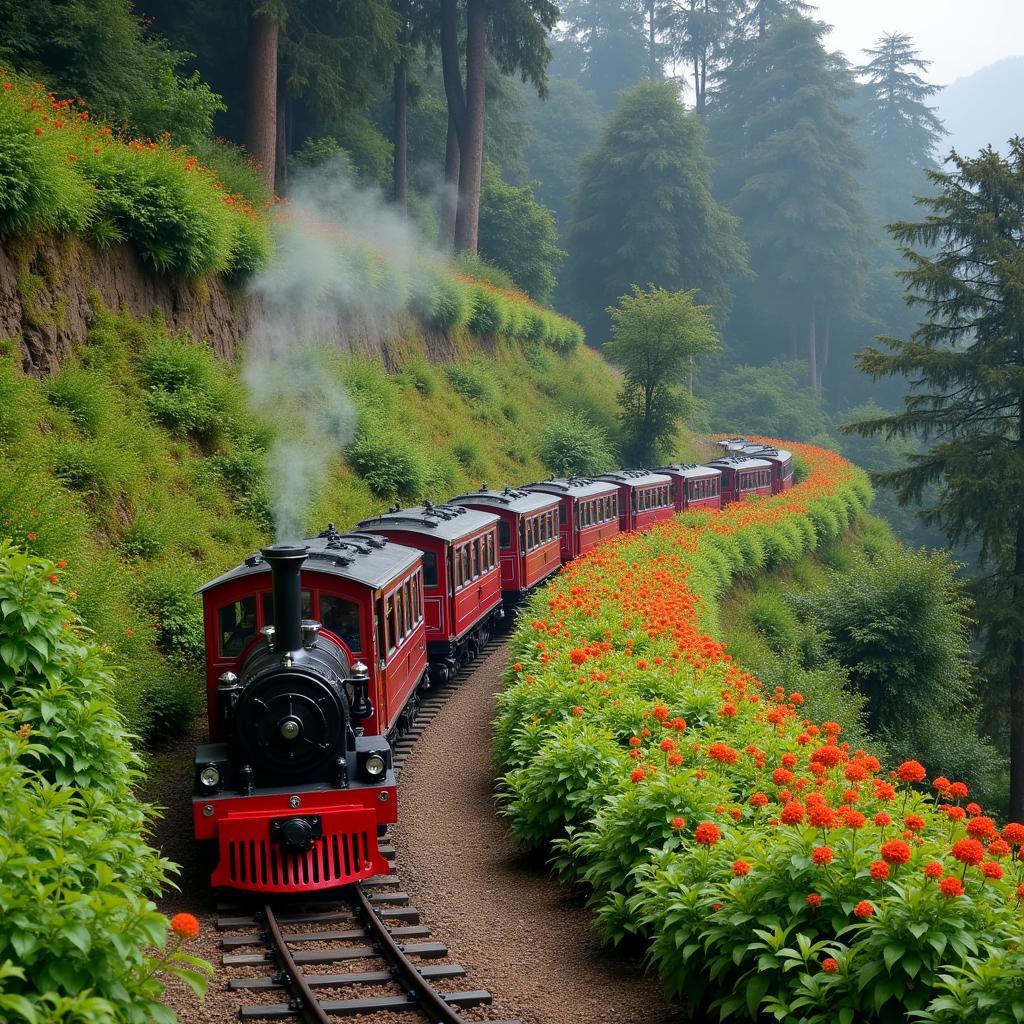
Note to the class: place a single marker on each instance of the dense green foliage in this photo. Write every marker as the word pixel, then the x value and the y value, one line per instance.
pixel 76 876
pixel 518 235
pixel 644 214
pixel 657 337
pixel 571 445
pixel 965 363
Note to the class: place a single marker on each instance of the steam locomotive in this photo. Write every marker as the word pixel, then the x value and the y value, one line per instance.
pixel 317 653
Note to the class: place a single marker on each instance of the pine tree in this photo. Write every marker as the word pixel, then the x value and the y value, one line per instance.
pixel 965 364
pixel 758 17
pixel 786 153
pixel 900 131
pixel 644 213
pixel 698 33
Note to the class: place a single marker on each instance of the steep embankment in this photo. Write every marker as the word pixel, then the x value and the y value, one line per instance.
pixel 772 868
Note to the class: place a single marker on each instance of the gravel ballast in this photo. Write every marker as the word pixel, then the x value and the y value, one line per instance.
pixel 515 929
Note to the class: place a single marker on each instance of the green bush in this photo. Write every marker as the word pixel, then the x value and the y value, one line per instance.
pixel 773 618
pixel 422 376
pixel 391 465
pixel 569 445
pixel 472 381
pixel 167 594
pixel 83 395
pixel 487 316
pixel 76 874
pixel 183 389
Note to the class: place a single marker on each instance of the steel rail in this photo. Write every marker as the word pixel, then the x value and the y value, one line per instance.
pixel 433 1005
pixel 309 1005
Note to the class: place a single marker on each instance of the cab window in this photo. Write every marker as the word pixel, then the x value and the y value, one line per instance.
pixel 268 607
pixel 341 617
pixel 236 626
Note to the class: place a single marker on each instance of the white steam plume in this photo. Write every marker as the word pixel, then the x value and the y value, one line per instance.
pixel 324 287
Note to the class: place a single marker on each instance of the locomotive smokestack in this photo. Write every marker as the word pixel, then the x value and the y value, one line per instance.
pixel 285 561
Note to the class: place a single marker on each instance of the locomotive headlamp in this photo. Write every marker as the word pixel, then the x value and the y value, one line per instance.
pixel 375 766
pixel 210 776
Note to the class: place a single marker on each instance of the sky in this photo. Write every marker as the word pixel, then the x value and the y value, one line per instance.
pixel 958 38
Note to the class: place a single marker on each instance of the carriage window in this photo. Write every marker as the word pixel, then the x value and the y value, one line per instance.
pixel 392 623
pixel 476 558
pixel 429 569
pixel 341 617
pixel 614 499
pixel 237 626
pixel 563 519
pixel 382 639
pixel 403 624
pixel 490 550
pixel 467 564
pixel 410 613
pixel 504 535
pixel 417 598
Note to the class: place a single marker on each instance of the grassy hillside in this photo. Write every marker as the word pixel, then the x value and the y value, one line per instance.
pixel 141 466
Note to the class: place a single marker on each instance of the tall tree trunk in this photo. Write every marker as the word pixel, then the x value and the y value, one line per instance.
pixel 281 140
pixel 812 352
pixel 450 189
pixel 823 362
pixel 471 140
pixel 261 93
pixel 1016 668
pixel 401 136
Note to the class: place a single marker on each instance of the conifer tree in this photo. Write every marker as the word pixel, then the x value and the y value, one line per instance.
pixel 965 364
pixel 786 155
pixel 644 213
pixel 900 130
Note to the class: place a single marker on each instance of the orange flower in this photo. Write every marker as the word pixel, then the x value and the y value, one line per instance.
pixel 830 965
pixel 864 909
pixel 707 833
pixel 740 868
pixel 813 900
pixel 911 771
pixel 951 887
pixel 185 926
pixel 879 870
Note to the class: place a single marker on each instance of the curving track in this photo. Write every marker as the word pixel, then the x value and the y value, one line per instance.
pixel 368 949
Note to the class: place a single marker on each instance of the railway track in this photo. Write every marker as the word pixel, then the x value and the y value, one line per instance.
pixel 367 948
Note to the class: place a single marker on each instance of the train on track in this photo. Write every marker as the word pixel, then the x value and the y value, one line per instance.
pixel 317 653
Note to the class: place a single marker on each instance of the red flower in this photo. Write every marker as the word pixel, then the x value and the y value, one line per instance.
pixel 990 869
pixel 1014 833
pixel 185 926
pixel 707 833
pixel 830 965
pixel 30 536
pixel 667 745
pixel 968 851
pixel 879 870
pixel 954 813
pixel 678 824
pixel 914 822
pixel 577 710
pixel 940 783
pixel 792 813
pixel 723 753
pixel 895 852
pixel 813 900
pixel 822 855
pixel 958 790
pixel 740 868
pixel 54 579
pixel 933 869
pixel 637 774
pixel 911 771
pixel 999 848
pixel 758 800
pixel 973 808
pixel 981 828
pixel 882 819
pixel 635 741
pixel 951 887
pixel 782 777
pixel 864 909
pixel 788 760
pixel 675 760
pixel 821 816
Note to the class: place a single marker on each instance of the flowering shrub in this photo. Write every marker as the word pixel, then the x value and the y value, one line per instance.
pixel 76 875
pixel 773 871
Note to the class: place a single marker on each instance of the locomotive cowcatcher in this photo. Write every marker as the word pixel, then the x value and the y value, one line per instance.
pixel 296 782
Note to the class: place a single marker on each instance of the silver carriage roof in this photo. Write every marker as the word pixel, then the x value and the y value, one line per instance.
pixel 359 557
pixel 574 486
pixel 689 471
pixel 636 477
pixel 446 522
pixel 512 499
pixel 741 462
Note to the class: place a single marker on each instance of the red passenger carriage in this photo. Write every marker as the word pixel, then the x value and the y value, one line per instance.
pixel 645 498
pixel 528 542
pixel 781 464
pixel 743 476
pixel 588 512
pixel 461 576
pixel 694 487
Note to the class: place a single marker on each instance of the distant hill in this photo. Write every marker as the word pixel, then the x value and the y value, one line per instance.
pixel 984 108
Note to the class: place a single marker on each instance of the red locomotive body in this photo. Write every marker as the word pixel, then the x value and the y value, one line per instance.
pixel 461 576
pixel 364 591
pixel 694 487
pixel 645 498
pixel 743 476
pixel 588 512
pixel 293 787
pixel 528 542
